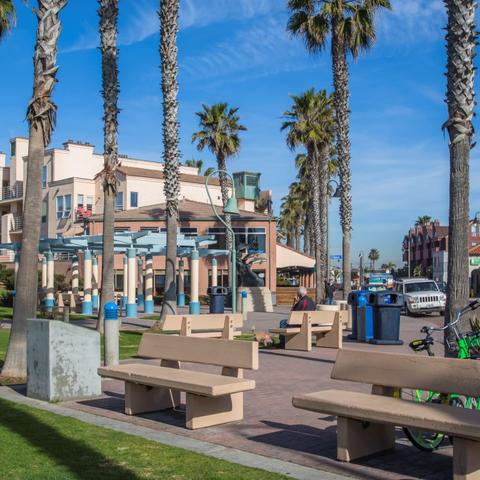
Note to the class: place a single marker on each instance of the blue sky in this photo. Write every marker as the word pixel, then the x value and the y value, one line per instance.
pixel 238 51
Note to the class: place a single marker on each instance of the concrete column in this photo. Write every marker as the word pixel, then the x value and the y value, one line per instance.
pixel 149 307
pixel 44 274
pixel 125 282
pixel 214 272
pixel 194 303
pixel 181 284
pixel 16 265
pixel 50 299
pixel 140 296
pixel 95 283
pixel 87 308
pixel 75 275
pixel 132 283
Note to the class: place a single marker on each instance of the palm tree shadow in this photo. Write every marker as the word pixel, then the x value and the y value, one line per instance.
pixel 81 459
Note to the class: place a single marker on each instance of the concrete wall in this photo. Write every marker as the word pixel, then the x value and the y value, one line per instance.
pixel 62 361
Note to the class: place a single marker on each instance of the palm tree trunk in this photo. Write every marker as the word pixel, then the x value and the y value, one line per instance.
pixel 323 179
pixel 461 42
pixel 319 268
pixel 169 10
pixel 306 235
pixel 341 101
pixel 41 117
pixel 108 13
pixel 222 165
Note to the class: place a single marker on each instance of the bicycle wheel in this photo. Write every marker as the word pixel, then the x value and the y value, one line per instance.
pixel 422 439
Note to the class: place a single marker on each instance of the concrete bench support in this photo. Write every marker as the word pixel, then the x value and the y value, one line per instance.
pixel 466 459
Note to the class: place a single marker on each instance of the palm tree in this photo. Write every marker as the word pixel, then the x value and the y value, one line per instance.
pixel 423 220
pixel 310 125
pixel 292 215
pixel 169 12
pixel 194 164
pixel 373 256
pixel 108 16
pixel 41 115
pixel 461 43
pixel 208 171
pixel 219 133
pixel 351 25
pixel 7 17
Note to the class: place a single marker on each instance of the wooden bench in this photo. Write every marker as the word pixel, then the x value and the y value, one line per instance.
pixel 366 422
pixel 211 399
pixel 326 326
pixel 209 325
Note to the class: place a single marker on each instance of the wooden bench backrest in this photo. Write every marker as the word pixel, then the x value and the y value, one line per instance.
pixel 318 316
pixel 173 323
pixel 437 374
pixel 211 351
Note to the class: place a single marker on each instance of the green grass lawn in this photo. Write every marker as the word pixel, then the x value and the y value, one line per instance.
pixel 41 445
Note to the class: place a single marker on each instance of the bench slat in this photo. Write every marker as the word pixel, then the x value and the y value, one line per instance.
pixel 293 330
pixel 200 383
pixel 458 422
pixel 445 375
pixel 212 351
pixel 209 321
pixel 318 316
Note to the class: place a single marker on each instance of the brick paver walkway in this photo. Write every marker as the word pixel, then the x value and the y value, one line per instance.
pixel 272 427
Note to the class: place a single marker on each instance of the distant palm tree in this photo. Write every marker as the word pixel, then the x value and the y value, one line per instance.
pixel 208 171
pixel 423 220
pixel 352 29
pixel 169 12
pixel 309 124
pixel 194 164
pixel 461 44
pixel 219 133
pixel 41 115
pixel 373 256
pixel 108 16
pixel 7 17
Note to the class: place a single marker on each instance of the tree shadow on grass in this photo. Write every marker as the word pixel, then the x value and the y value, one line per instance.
pixel 83 461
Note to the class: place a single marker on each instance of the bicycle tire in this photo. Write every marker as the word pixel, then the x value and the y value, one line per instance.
pixel 423 440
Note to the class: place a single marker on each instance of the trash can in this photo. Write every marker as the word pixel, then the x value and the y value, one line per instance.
pixel 387 307
pixel 217 299
pixel 353 302
pixel 364 317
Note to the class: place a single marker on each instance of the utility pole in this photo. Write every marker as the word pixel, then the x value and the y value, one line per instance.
pixel 409 253
pixel 361 269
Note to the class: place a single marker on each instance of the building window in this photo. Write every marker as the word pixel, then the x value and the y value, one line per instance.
pixel 119 201
pixel 149 229
pixel 80 202
pixel 44 211
pixel 121 229
pixel 64 206
pixel 118 287
pixel 219 235
pixel 222 278
pixel 44 176
pixel 189 232
pixel 253 238
pixel 473 229
pixel 133 199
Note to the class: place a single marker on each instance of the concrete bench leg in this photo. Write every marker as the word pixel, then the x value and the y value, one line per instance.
pixel 143 399
pixel 466 459
pixel 333 338
pixel 356 439
pixel 207 411
pixel 302 340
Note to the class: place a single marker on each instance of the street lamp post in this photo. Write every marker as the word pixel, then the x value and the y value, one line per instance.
pixel 232 209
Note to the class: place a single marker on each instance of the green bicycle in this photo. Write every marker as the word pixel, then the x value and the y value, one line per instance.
pixel 466 346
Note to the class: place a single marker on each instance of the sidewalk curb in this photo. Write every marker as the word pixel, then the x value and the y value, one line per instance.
pixel 198 446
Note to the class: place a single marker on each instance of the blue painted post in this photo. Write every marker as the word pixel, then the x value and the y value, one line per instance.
pixel 111 338
pixel 181 284
pixel 132 283
pixel 140 296
pixel 245 305
pixel 50 300
pixel 125 282
pixel 95 282
pixel 194 306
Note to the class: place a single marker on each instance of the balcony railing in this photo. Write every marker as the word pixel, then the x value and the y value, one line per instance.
pixel 9 193
pixel 17 223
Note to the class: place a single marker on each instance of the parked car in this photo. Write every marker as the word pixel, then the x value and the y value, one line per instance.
pixel 442 286
pixel 421 295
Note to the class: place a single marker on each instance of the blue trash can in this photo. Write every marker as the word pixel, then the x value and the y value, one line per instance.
pixel 365 317
pixel 353 301
pixel 217 299
pixel 387 307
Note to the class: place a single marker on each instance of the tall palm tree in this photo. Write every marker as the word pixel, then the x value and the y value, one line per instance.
pixel 351 25
pixel 219 133
pixel 7 17
pixel 41 115
pixel 373 256
pixel 423 220
pixel 194 163
pixel 108 17
pixel 310 124
pixel 461 44
pixel 169 12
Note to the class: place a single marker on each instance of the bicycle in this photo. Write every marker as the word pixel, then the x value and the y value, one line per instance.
pixel 467 346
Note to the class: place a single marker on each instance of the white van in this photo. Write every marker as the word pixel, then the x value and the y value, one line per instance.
pixel 421 295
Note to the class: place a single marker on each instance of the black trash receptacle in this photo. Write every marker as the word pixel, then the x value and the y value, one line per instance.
pixel 217 299
pixel 387 307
